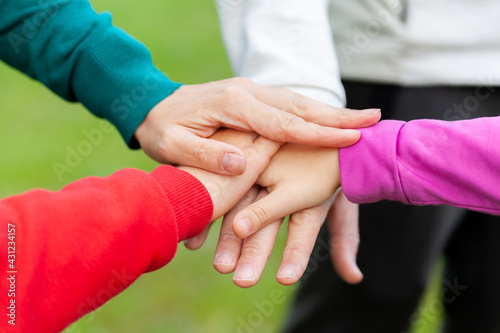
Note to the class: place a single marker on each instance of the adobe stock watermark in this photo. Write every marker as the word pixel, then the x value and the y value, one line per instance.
pixel 363 36
pixel 266 308
pixel 121 108
pixel 85 147
pixel 423 317
pixel 224 7
pixel 33 24
pixel 471 103
pixel 119 281
pixel 263 310
pixel 124 105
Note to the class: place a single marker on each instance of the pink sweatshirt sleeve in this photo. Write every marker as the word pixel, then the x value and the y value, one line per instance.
pixel 426 162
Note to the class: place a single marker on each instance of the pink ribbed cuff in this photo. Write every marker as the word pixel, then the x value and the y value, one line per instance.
pixel 368 169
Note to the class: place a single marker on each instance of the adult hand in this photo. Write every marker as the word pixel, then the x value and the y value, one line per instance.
pixel 343 226
pixel 248 257
pixel 177 129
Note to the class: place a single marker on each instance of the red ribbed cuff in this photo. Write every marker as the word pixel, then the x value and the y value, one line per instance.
pixel 190 200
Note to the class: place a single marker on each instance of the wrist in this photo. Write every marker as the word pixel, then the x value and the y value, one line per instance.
pixel 190 200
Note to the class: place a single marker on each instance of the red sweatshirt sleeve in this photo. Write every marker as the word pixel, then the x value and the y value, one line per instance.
pixel 73 250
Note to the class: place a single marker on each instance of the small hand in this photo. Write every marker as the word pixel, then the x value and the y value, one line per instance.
pixel 226 191
pixel 177 129
pixel 301 181
pixel 298 177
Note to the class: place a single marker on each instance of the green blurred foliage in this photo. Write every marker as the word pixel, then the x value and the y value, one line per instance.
pixel 38 128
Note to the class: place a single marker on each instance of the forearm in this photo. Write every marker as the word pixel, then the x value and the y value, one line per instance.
pixel 426 162
pixel 82 57
pixel 77 248
pixel 283 43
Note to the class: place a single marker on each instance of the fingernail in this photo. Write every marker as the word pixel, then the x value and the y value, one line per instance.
pixel 244 272
pixel 244 226
pixel 358 271
pixel 352 132
pixel 286 271
pixel 370 111
pixel 233 163
pixel 224 258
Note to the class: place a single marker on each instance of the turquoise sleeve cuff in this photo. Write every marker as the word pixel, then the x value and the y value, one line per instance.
pixel 115 79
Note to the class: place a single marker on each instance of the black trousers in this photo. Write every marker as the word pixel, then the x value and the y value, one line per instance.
pixel 401 244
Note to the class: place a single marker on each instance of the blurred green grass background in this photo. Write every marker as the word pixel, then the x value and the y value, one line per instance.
pixel 37 127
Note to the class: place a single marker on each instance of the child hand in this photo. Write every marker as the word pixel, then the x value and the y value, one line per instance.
pixel 297 178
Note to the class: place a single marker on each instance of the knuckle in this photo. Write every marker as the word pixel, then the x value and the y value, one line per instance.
pixel 204 156
pixel 342 117
pixel 300 107
pixel 260 214
pixel 200 152
pixel 290 122
pixel 242 81
pixel 164 147
pixel 340 241
pixel 231 90
pixel 309 217
pixel 228 237
pixel 232 94
pixel 255 250
pixel 336 242
pixel 296 250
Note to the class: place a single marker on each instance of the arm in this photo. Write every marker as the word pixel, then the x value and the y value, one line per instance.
pixel 82 57
pixel 77 248
pixel 422 162
pixel 284 43
pixel 77 53
pixel 290 44
pixel 426 162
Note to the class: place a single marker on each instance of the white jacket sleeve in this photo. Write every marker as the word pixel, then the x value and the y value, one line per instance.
pixel 283 43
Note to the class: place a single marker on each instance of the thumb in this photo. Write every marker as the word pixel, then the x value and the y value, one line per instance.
pixel 277 204
pixel 206 154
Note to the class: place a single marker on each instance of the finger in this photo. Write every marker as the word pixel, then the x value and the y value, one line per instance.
pixel 229 246
pixel 303 229
pixel 226 191
pixel 196 242
pixel 211 155
pixel 344 239
pixel 254 255
pixel 282 201
pixel 315 111
pixel 282 126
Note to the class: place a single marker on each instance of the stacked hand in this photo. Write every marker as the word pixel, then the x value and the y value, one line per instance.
pixel 177 129
pixel 300 181
pixel 254 182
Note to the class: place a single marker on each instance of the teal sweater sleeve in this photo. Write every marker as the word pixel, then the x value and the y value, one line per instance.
pixel 82 57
